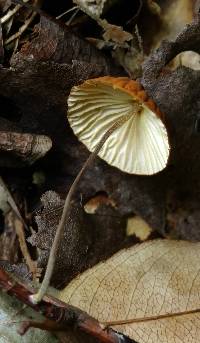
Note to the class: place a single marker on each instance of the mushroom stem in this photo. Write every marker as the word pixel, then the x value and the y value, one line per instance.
pixel 66 210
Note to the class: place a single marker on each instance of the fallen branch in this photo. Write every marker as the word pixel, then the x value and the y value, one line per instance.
pixel 60 316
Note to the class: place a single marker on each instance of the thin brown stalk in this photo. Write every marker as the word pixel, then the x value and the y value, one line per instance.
pixel 151 318
pixel 66 211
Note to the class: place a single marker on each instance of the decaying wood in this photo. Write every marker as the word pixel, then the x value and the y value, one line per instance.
pixel 24 147
pixel 177 95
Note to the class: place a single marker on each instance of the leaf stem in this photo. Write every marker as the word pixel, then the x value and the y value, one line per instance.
pixel 151 318
pixel 66 211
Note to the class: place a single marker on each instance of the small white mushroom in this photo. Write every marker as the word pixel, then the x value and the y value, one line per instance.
pixel 140 145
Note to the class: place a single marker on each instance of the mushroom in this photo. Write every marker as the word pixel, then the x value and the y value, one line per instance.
pixel 136 141
pixel 115 119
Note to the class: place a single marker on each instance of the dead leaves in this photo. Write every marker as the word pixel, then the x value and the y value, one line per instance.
pixel 116 34
pixel 149 292
pixel 87 237
pixel 74 245
pixel 175 15
pixel 112 33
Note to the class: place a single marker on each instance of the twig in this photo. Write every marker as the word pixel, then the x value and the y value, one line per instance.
pixel 139 38
pixel 11 13
pixel 37 10
pixel 63 315
pixel 64 13
pixel 66 211
pixel 19 223
pixel 72 17
pixel 24 249
pixel 151 318
pixel 21 29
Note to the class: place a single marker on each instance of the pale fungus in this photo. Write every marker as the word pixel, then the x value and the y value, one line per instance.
pixel 115 119
pixel 137 139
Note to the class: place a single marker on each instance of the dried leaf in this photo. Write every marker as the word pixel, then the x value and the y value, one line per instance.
pixel 151 288
pixel 112 32
pixel 83 244
pixel 116 34
pixel 97 201
pixel 131 59
pixel 74 245
pixel 138 227
pixel 174 15
pixel 189 59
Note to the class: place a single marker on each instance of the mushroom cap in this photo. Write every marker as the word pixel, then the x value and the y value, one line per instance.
pixel 138 146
